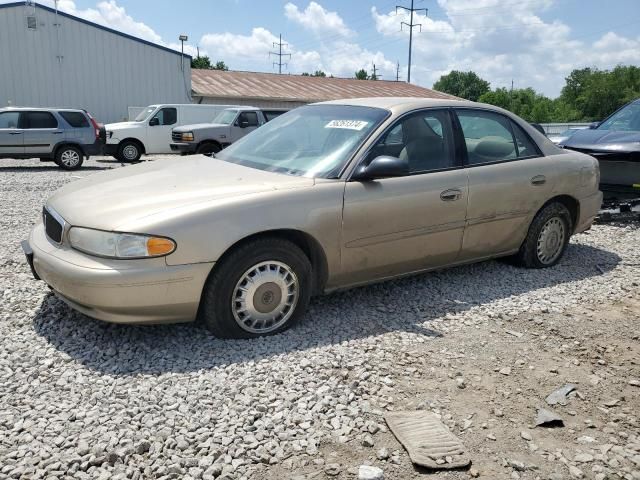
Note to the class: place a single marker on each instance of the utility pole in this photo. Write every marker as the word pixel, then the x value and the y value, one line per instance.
pixel 398 72
pixel 375 75
pixel 279 54
pixel 411 25
pixel 511 96
pixel 198 49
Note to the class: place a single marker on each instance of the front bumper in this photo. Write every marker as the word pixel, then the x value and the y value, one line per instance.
pixel 119 291
pixel 184 147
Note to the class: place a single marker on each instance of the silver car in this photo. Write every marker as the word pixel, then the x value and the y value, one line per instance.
pixel 64 136
pixel 325 197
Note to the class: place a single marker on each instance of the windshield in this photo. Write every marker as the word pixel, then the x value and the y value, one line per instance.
pixel 626 119
pixel 225 117
pixel 144 114
pixel 310 141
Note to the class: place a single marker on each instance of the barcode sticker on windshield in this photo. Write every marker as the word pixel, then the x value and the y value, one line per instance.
pixel 348 124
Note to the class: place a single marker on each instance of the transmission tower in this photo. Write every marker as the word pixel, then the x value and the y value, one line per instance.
pixel 279 54
pixel 411 25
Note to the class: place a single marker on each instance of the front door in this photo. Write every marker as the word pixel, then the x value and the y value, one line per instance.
pixel 509 181
pixel 393 226
pixel 11 138
pixel 41 133
pixel 245 123
pixel 159 130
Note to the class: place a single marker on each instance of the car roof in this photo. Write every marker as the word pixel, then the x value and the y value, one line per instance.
pixel 401 103
pixel 39 109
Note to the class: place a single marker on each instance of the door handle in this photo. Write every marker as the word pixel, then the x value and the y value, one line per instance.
pixel 538 180
pixel 58 133
pixel 15 133
pixel 451 195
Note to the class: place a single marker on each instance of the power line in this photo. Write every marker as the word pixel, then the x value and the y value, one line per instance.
pixel 279 54
pixel 411 25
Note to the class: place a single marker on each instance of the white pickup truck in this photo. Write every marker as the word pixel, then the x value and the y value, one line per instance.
pixel 230 125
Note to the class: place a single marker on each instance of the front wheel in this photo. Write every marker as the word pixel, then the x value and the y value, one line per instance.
pixel 547 238
pixel 261 288
pixel 69 157
pixel 129 151
pixel 208 149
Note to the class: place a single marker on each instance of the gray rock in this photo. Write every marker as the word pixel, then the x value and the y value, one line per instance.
pixel 368 472
pixel 559 396
pixel 547 418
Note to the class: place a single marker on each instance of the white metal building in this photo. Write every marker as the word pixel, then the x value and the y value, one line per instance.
pixel 50 59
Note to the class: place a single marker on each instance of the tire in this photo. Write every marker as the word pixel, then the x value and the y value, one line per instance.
pixel 129 151
pixel 271 258
pixel 208 148
pixel 547 238
pixel 69 157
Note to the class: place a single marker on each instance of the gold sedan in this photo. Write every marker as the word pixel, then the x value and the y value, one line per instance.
pixel 325 197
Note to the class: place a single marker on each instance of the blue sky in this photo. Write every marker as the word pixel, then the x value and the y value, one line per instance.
pixel 534 42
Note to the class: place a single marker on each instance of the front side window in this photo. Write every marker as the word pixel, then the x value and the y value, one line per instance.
pixel 311 141
pixel 167 116
pixel 144 114
pixel 39 120
pixel 487 136
pixel 626 120
pixel 251 119
pixel 9 119
pixel 424 139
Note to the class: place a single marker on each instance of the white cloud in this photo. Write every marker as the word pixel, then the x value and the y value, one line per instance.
pixel 501 44
pixel 317 19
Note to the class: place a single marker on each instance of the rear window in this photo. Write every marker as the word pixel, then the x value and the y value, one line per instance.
pixel 38 120
pixel 75 119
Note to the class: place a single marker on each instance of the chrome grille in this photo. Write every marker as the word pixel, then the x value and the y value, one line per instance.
pixel 52 226
pixel 176 137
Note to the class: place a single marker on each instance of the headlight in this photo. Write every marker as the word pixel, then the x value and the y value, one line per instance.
pixel 119 245
pixel 187 136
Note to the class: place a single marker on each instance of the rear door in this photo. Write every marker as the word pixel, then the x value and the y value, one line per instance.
pixel 11 137
pixel 79 129
pixel 509 181
pixel 40 132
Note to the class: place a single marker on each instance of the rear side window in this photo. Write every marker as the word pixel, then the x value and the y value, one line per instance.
pixel 488 136
pixel 9 119
pixel 271 114
pixel 75 119
pixel 38 120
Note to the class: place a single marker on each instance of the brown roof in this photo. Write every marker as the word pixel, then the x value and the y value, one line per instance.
pixel 296 88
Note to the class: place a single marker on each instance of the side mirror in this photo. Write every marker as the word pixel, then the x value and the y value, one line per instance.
pixel 594 125
pixel 155 121
pixel 382 167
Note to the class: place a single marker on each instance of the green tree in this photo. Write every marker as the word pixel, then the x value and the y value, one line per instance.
pixel 201 62
pixel 362 74
pixel 317 73
pixel 220 65
pixel 466 85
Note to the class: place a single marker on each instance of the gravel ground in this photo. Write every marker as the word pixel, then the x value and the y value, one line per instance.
pixel 480 345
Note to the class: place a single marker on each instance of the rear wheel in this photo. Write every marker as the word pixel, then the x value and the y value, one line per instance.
pixel 259 289
pixel 547 238
pixel 208 148
pixel 69 157
pixel 129 151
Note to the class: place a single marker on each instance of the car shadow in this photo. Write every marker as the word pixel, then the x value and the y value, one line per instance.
pixel 405 305
pixel 49 168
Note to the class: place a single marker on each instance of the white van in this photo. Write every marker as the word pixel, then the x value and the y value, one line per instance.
pixel 150 131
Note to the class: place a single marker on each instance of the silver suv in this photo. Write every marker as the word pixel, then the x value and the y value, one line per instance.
pixel 64 136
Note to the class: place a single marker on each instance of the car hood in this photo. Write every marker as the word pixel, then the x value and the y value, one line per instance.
pixel 124 195
pixel 113 127
pixel 604 140
pixel 199 126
